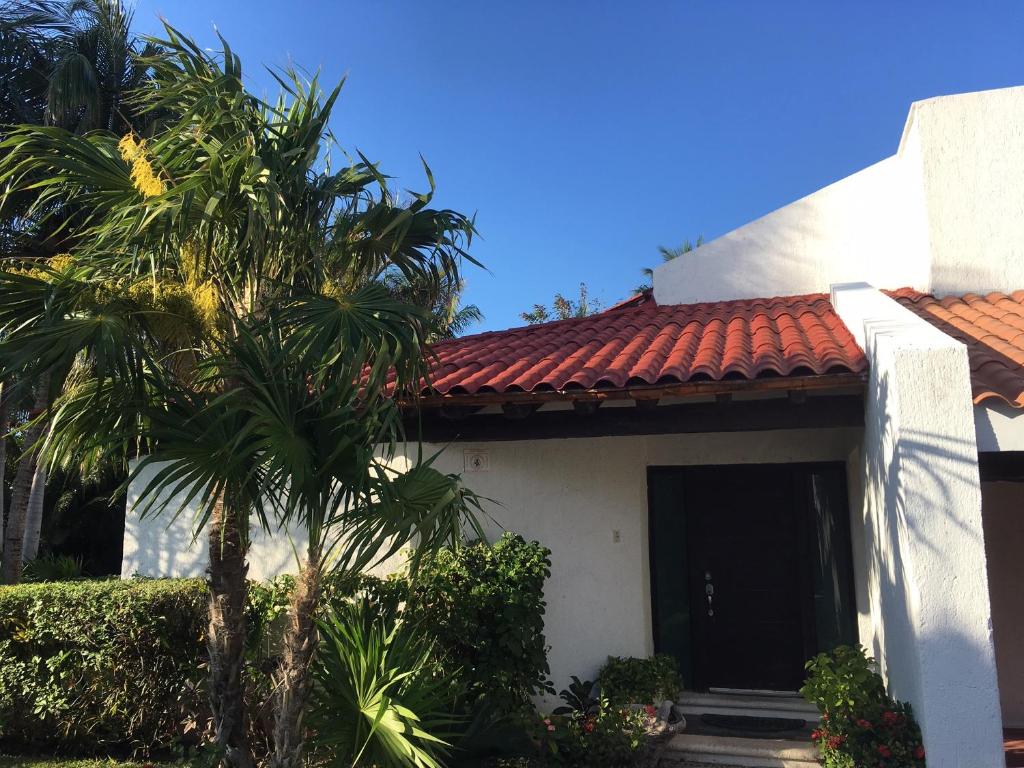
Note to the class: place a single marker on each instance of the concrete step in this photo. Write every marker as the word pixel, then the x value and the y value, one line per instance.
pixel 747 753
pixel 747 705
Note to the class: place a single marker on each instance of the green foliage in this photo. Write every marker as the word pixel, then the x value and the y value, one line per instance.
pixel 91 665
pixel 378 699
pixel 609 736
pixel 581 696
pixel 485 607
pixel 843 681
pixel 10 761
pixel 861 725
pixel 563 308
pixel 640 681
pixel 53 568
pixel 94 666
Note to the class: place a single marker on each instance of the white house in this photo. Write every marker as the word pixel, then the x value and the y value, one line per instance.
pixel 810 433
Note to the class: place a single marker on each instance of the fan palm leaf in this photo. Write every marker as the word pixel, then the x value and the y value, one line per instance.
pixel 376 700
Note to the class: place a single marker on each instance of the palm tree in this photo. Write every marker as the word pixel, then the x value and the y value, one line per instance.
pixel 280 402
pixel 70 63
pixel 668 254
pixel 448 317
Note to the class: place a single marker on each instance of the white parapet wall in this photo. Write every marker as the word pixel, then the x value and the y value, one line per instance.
pixel 930 616
pixel 945 214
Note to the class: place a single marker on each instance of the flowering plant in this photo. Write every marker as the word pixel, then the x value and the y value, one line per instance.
pixel 890 739
pixel 861 725
pixel 604 735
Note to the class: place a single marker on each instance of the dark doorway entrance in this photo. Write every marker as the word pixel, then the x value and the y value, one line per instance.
pixel 750 570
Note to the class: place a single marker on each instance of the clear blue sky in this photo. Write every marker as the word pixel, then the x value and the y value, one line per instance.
pixel 585 134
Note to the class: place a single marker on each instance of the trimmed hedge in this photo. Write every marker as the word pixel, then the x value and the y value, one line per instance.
pixel 118 666
pixel 98 664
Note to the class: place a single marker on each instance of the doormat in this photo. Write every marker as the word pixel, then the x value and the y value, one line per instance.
pixel 753 724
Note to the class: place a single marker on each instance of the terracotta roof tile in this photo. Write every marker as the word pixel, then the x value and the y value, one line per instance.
pixel 992 327
pixel 639 343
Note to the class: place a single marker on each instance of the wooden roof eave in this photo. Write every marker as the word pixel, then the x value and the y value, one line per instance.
pixel 647 392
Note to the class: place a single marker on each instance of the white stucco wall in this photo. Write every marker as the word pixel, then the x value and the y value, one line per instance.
pixel 1003 510
pixel 571 495
pixel 923 539
pixel 165 544
pixel 999 426
pixel 971 164
pixel 943 214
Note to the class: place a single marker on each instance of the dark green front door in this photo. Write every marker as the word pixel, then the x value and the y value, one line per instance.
pixel 750 570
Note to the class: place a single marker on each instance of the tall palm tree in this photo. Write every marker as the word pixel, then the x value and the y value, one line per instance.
pixel 70 63
pixel 280 403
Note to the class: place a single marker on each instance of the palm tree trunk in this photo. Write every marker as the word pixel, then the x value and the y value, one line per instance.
pixel 5 390
pixel 14 535
pixel 34 514
pixel 226 633
pixel 293 681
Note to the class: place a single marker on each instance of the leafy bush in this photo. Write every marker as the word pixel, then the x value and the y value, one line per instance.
pixel 604 735
pixel 89 665
pixel 861 725
pixel 53 568
pixel 118 666
pixel 640 681
pixel 484 605
pixel 581 696
pixel 377 697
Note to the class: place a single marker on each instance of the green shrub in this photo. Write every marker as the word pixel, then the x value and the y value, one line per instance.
pixel 607 735
pixel 484 606
pixel 53 568
pixel 640 681
pixel 118 666
pixel 97 664
pixel 861 725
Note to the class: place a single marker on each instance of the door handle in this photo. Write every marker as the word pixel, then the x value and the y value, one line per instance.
pixel 709 591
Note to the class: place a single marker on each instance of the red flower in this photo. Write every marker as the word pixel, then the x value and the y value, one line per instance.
pixel 588 726
pixel 863 723
pixel 919 752
pixel 815 735
pixel 890 718
pixel 884 751
pixel 835 742
pixel 651 710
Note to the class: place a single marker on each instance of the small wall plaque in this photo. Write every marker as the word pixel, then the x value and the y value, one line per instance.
pixel 476 460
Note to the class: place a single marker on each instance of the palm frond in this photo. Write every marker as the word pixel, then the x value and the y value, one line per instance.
pixel 377 699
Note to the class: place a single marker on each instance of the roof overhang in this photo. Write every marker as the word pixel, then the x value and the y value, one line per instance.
pixel 801 402
pixel 647 393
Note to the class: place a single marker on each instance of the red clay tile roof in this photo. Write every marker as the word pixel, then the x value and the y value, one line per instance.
pixel 992 327
pixel 640 343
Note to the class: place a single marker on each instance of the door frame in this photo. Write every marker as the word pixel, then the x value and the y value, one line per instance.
pixel 666 482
